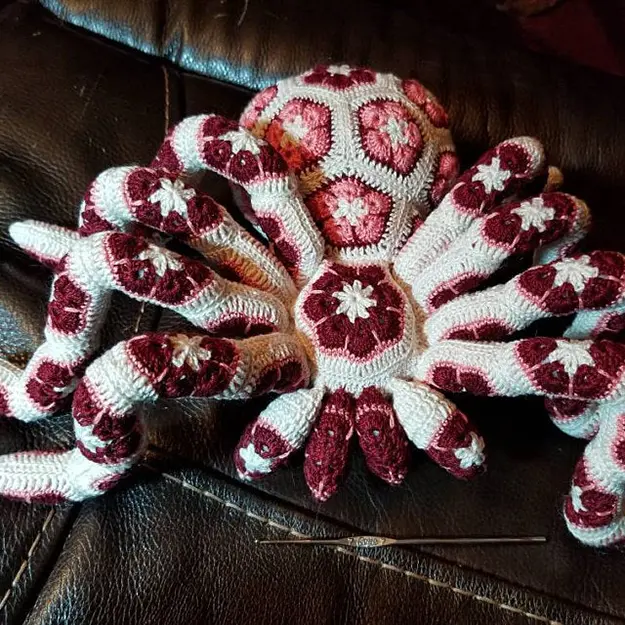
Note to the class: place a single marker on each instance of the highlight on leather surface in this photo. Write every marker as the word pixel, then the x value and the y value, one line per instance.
pixel 360 313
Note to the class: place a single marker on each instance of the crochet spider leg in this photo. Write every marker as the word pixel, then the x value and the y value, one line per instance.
pixel 327 449
pixel 47 243
pixel 382 440
pixel 211 142
pixel 594 323
pixel 434 424
pixel 513 228
pixel 70 332
pixel 278 431
pixel 122 196
pixel 328 420
pixel 88 270
pixel 594 283
pixel 109 433
pixel 148 272
pixel 585 370
pixel 496 175
pixel 594 509
pixel 381 437
pixel 576 417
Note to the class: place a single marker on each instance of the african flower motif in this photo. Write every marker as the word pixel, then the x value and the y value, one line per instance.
pixel 355 300
pixel 534 214
pixel 368 306
pixel 338 76
pixel 353 312
pixel 302 133
pixel 420 96
pixel 390 134
pixel 172 196
pixel 350 212
pixel 189 351
pixel 473 454
pixel 492 176
pixel 161 260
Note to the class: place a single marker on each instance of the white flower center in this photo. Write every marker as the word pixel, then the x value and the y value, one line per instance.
pixel 161 259
pixel 172 196
pixel 576 271
pixel 354 300
pixel 576 499
pixel 396 131
pixel 473 455
pixel 572 354
pixel 253 461
pixel 341 70
pixel 242 141
pixel 188 349
pixel 64 391
pixel 351 210
pixel 492 176
pixel 534 213
pixel 296 128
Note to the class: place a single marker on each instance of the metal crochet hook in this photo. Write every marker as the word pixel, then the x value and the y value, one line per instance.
pixel 374 542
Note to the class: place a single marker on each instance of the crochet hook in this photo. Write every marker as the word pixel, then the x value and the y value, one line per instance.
pixel 374 542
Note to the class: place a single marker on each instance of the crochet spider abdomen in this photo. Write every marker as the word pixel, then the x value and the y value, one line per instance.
pixel 372 153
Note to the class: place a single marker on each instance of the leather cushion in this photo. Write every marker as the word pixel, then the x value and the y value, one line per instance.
pixel 147 549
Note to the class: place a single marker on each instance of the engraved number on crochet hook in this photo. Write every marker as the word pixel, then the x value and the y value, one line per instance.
pixel 374 542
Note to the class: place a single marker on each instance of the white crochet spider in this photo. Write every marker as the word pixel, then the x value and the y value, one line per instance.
pixel 365 303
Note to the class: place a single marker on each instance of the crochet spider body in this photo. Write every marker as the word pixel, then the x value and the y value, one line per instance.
pixel 373 155
pixel 360 314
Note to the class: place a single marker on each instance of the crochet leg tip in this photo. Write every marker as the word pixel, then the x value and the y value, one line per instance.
pixel 391 475
pixel 47 243
pixel 458 471
pixel 534 150
pixel 34 477
pixel 250 464
pixel 609 535
pixel 473 472
pixel 322 493
pixel 594 512
pixel 260 451
pixel 393 478
pixel 245 476
pixel 54 477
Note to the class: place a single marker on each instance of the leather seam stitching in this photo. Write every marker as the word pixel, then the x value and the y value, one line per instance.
pixel 410 574
pixel 24 565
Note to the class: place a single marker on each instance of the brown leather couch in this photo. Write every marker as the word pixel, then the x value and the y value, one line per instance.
pixel 175 545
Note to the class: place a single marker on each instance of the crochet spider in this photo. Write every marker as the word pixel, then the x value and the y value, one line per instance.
pixel 359 314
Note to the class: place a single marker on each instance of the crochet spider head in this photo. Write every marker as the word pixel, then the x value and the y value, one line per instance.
pixel 361 313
